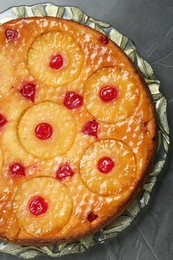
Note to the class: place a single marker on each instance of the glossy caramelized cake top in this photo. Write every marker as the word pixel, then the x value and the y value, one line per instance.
pixel 77 130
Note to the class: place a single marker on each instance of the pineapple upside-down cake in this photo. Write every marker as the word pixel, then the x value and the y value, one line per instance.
pixel 77 131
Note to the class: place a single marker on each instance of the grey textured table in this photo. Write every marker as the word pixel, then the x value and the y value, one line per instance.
pixel 149 23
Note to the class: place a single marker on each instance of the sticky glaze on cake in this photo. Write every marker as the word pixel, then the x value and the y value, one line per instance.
pixel 77 131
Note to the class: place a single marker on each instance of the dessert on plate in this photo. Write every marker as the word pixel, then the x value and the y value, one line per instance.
pixel 77 131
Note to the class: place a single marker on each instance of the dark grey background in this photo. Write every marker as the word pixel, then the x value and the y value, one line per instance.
pixel 149 23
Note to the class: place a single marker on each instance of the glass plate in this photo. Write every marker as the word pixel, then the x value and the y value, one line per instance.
pixel 123 221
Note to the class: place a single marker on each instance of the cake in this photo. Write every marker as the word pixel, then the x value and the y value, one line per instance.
pixel 78 131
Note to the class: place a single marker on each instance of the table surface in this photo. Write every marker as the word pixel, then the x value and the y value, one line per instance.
pixel 149 23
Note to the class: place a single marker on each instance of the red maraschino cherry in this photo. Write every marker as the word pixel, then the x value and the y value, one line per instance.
pixel 108 94
pixel 11 34
pixel 105 165
pixel 38 206
pixel 73 100
pixel 43 131
pixel 91 128
pixel 64 171
pixel 28 91
pixel 3 120
pixel 17 169
pixel 56 62
pixel 104 39
pixel 91 216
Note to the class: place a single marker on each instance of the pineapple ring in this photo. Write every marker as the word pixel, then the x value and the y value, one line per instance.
pixel 49 45
pixel 6 75
pixel 62 123
pixel 127 95
pixel 59 208
pixel 122 176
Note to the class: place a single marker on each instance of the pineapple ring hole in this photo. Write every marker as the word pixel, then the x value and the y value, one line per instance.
pixel 38 206
pixel 43 131
pixel 56 62
pixel 105 165
pixel 108 94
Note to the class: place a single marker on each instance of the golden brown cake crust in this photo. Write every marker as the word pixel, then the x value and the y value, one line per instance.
pixel 91 198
